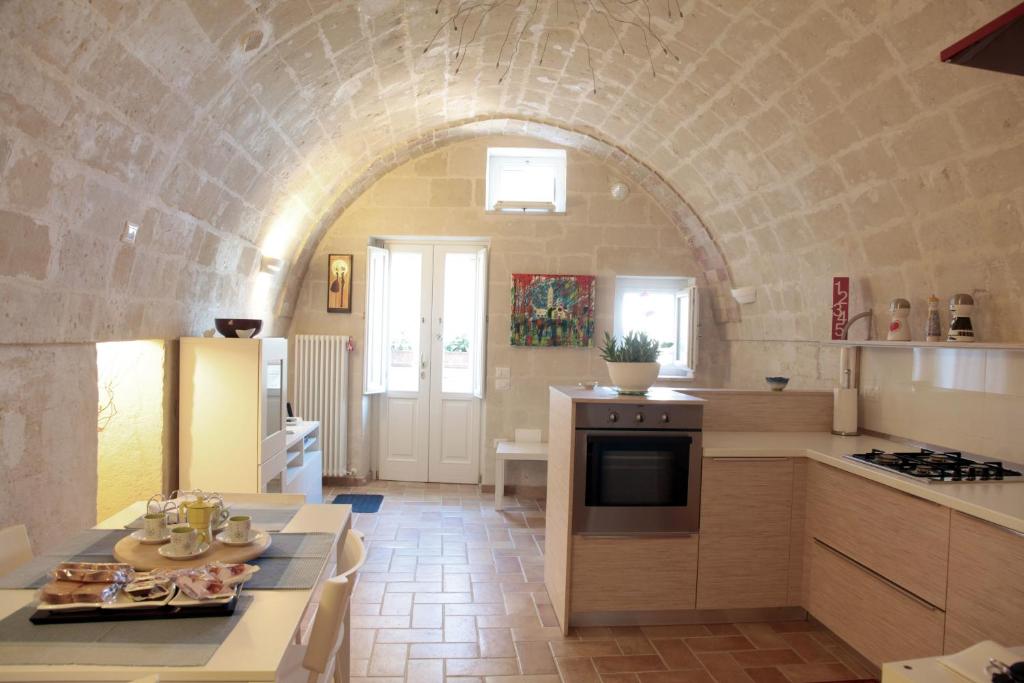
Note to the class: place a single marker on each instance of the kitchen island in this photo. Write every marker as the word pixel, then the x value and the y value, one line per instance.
pixel 897 567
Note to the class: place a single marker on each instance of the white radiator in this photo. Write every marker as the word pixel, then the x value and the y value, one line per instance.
pixel 321 393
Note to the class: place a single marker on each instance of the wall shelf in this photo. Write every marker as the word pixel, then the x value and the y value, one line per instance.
pixel 873 343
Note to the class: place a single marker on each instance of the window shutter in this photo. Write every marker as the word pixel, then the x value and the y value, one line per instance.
pixel 375 356
pixel 691 360
pixel 480 343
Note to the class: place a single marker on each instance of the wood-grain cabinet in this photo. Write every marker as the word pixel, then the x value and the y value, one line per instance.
pixel 623 574
pixel 745 533
pixel 985 598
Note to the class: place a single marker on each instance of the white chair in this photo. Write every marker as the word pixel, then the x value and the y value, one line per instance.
pixel 351 557
pixel 15 548
pixel 330 638
pixel 353 553
pixel 527 446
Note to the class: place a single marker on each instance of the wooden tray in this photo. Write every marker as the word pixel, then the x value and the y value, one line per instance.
pixel 145 557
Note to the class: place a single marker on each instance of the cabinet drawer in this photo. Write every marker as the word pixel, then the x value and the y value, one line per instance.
pixel 986 584
pixel 271 468
pixel 903 538
pixel 746 509
pixel 878 619
pixel 623 574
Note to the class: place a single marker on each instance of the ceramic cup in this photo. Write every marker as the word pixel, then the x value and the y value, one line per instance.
pixel 155 525
pixel 184 540
pixel 238 528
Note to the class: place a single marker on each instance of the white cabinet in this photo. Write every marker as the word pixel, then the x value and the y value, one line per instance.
pixel 303 471
pixel 231 414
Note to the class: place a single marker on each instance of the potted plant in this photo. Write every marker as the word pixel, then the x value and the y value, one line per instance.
pixel 632 362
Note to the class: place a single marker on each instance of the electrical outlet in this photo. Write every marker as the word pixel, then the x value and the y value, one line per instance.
pixel 502 384
pixel 131 231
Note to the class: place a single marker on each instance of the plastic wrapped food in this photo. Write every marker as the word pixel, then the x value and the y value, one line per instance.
pixel 68 592
pixel 148 589
pixel 94 572
pixel 211 581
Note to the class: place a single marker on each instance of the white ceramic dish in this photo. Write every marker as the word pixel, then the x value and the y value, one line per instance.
pixel 254 535
pixel 141 537
pixel 122 601
pixel 168 552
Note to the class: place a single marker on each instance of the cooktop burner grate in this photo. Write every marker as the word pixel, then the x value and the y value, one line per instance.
pixel 932 466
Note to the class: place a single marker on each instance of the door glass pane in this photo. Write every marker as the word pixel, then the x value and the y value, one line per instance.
pixel 459 315
pixel 404 321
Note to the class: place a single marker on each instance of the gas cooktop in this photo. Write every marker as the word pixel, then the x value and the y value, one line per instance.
pixel 945 467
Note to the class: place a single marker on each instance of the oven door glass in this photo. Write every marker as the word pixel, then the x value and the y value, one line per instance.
pixel 637 471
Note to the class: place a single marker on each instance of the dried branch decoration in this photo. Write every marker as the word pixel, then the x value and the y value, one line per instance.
pixel 546 16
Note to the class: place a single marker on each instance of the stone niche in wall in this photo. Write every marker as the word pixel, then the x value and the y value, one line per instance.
pixel 136 424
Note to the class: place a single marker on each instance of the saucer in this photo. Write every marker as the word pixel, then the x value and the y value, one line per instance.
pixel 254 535
pixel 168 552
pixel 142 538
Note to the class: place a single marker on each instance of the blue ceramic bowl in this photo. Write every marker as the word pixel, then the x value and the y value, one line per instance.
pixel 777 383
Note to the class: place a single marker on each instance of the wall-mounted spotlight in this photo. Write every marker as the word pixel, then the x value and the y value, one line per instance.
pixel 619 191
pixel 271 264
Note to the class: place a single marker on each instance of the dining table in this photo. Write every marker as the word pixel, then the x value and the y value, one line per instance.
pixel 256 647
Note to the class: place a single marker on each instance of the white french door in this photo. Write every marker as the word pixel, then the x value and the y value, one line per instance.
pixel 430 326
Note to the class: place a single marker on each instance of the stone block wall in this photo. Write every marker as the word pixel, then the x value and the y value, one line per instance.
pixel 441 194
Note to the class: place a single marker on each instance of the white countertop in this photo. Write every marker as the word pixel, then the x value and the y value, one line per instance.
pixel 253 650
pixel 297 432
pixel 999 503
pixel 602 394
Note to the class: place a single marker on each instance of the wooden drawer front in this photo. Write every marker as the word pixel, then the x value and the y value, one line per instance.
pixel 621 574
pixel 903 538
pixel 986 584
pixel 881 621
pixel 746 507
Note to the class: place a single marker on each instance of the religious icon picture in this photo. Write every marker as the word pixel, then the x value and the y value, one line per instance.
pixel 339 283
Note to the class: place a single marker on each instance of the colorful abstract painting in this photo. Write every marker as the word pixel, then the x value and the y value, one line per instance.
pixel 552 310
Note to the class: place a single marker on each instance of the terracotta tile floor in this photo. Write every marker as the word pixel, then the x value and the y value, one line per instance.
pixel 453 591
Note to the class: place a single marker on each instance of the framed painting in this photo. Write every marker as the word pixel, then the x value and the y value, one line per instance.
pixel 339 283
pixel 552 310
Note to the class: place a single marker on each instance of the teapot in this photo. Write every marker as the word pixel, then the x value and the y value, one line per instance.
pixel 204 514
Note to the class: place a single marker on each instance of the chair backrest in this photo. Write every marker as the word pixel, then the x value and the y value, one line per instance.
pixel 148 679
pixel 15 548
pixel 353 553
pixel 328 631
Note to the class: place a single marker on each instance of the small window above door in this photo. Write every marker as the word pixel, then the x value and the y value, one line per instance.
pixel 525 180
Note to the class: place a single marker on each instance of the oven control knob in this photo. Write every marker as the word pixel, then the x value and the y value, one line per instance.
pixel 613 417
pixel 639 418
pixel 664 417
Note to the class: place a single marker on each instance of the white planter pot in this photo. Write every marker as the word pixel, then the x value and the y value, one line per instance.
pixel 633 376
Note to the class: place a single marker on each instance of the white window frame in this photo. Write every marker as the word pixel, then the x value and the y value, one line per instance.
pixel 686 293
pixel 500 159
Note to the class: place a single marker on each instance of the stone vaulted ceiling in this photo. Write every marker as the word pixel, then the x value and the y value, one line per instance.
pixel 809 138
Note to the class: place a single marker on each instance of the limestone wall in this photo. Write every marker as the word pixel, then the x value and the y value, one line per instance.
pixel 48 439
pixel 442 195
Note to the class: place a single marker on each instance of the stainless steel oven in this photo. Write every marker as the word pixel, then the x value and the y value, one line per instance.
pixel 637 468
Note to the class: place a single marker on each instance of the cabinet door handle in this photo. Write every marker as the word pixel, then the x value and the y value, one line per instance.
pixel 997 526
pixel 725 458
pixel 892 584
pixel 627 535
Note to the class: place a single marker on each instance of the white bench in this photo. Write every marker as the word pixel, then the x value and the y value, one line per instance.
pixel 527 446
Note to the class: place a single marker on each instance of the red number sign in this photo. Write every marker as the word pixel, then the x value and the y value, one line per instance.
pixel 840 305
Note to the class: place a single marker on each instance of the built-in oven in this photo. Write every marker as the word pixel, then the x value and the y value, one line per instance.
pixel 636 468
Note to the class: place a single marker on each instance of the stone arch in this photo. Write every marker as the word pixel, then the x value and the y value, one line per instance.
pixel 707 253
